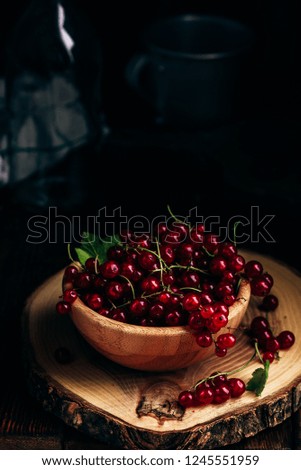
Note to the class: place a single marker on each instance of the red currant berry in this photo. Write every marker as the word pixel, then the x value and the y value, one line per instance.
pixel 190 279
pixel 94 301
pixel 83 280
pixel 114 290
pixel 63 308
pixel 268 278
pixel 206 298
pixel 227 250
pixel 219 320
pixel 167 253
pixel 157 312
pixel 222 289
pixel 148 261
pixel 259 323
pixel 138 307
pixel 220 379
pixel 269 303
pixel 110 269
pixel 70 295
pixel 150 285
pixel 286 339
pixel 259 286
pixel 191 302
pixel 204 338
pixel 229 300
pixel 196 237
pixel 195 320
pixel 115 253
pixel 237 387
pixel 229 277
pixel 186 399
pixel 226 340
pixel 263 335
pixel 272 345
pixel 222 393
pixel 218 265
pixel 105 312
pixel 268 356
pixel 220 352
pixel 211 242
pixel 204 394
pixel 168 279
pixel 119 315
pixel 173 318
pixel 207 311
pixel 92 265
pixel 236 263
pixel 253 268
pixel 70 273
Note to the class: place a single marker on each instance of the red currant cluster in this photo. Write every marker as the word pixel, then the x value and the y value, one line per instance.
pixel 216 389
pixel 184 276
pixel 269 344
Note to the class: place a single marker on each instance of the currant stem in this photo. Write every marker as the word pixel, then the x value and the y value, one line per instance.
pixel 175 218
pixel 160 261
pixel 131 285
pixel 239 369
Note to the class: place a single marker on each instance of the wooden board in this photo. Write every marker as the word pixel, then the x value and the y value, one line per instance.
pixel 138 410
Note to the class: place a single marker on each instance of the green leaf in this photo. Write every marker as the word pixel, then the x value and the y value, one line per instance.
pixel 259 379
pixel 95 247
pixel 82 255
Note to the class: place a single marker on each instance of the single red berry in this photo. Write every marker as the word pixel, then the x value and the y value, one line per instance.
pixel 105 312
pixel 229 277
pixel 220 352
pixel 204 394
pixel 157 312
pixel 186 398
pixel 222 289
pixel 83 280
pixel 110 269
pixel 237 387
pixel 167 253
pixel 204 338
pixel 94 301
pixel 219 320
pixel 220 379
pixel 269 303
pixel 138 307
pixel 222 393
pixel 191 301
pixel 226 340
pixel 119 315
pixel 263 335
pixel 150 285
pixel 173 318
pixel 221 309
pixel 114 290
pixel 207 311
pixel 70 295
pixel 195 320
pixel 148 261
pixel 253 268
pixel 168 278
pixel 211 242
pixel 63 308
pixel 70 273
pixel 286 339
pixel 218 265
pixel 92 265
pixel 268 278
pixel 229 300
pixel 259 323
pixel 272 345
pixel 227 250
pixel 236 263
pixel 259 286
pixel 115 253
pixel 207 286
pixel 206 298
pixel 190 279
pixel 268 356
pixel 197 237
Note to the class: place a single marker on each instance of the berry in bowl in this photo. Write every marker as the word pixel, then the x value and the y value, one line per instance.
pixel 160 302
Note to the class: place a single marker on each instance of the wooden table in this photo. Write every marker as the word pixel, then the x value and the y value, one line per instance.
pixel 23 423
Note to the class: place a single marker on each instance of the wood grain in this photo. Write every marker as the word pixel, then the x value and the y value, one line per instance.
pixel 133 409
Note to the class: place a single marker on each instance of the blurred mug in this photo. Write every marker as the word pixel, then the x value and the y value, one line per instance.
pixel 192 70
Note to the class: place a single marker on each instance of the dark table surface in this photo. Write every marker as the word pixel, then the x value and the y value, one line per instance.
pixel 222 172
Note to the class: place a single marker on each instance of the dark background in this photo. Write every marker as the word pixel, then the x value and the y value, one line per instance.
pixel 252 161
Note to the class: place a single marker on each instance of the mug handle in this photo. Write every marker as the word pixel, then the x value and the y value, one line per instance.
pixel 133 74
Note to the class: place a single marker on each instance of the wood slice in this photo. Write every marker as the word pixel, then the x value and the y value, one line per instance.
pixel 138 410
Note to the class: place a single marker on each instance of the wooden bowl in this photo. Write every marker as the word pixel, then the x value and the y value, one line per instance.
pixel 149 348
